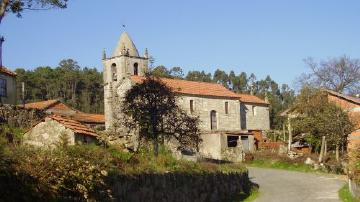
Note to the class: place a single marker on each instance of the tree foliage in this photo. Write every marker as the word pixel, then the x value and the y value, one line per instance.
pixel 316 117
pixel 79 87
pixel 150 108
pixel 18 6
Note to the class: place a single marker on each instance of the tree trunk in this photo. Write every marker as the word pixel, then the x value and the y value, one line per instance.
pixel 290 134
pixel 284 133
pixel 156 147
pixel 3 5
pixel 337 152
pixel 325 149
pixel 321 157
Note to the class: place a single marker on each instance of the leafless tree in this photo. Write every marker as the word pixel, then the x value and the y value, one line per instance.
pixel 339 74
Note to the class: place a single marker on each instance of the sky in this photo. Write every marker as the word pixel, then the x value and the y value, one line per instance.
pixel 261 37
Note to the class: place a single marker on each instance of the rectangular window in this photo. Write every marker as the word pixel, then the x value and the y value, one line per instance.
pixel 232 140
pixel 3 89
pixel 254 110
pixel 226 107
pixel 191 106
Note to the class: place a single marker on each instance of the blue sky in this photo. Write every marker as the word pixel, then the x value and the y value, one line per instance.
pixel 261 37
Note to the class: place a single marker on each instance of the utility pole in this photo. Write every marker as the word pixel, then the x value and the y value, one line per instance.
pixel 290 134
pixel 23 93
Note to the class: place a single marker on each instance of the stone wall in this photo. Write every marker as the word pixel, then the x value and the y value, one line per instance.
pixel 180 187
pixel 254 117
pixel 204 105
pixel 20 117
pixel 47 134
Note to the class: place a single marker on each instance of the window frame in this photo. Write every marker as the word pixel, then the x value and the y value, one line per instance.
pixel 192 109
pixel 226 108
pixel 3 87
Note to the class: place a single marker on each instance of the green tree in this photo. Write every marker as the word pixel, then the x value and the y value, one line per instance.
pixel 198 76
pixel 317 117
pixel 150 109
pixel 78 87
pixel 161 71
pixel 18 6
pixel 221 77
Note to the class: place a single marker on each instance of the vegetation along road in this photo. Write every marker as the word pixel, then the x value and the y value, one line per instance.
pixel 290 186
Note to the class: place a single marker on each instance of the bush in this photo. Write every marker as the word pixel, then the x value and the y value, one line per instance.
pixel 354 163
pixel 52 175
pixel 83 172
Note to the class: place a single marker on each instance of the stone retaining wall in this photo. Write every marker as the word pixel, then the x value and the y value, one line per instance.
pixel 20 117
pixel 180 187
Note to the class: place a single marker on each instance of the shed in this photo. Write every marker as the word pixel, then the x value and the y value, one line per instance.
pixel 48 132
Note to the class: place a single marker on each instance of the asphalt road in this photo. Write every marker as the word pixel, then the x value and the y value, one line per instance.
pixel 289 186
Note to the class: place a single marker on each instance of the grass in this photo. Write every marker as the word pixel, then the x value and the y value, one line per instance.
pixel 280 164
pixel 345 195
pixel 144 162
pixel 244 197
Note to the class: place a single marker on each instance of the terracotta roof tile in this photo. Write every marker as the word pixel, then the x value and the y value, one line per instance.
pixel 41 105
pixel 193 87
pixel 73 125
pixel 89 118
pixel 61 109
pixel 5 70
pixel 252 99
pixel 346 97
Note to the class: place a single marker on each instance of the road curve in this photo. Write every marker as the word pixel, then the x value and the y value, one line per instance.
pixel 290 186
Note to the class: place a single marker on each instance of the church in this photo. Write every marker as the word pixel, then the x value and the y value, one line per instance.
pixel 229 121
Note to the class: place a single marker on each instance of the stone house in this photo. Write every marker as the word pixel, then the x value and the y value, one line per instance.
pixel 48 132
pixel 351 105
pixel 7 86
pixel 95 121
pixel 226 117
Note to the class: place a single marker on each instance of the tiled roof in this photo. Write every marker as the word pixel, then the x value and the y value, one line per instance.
pixel 73 125
pixel 193 87
pixel 346 97
pixel 57 107
pixel 89 118
pixel 41 105
pixel 252 99
pixel 5 70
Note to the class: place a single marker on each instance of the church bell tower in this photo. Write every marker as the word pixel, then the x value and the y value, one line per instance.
pixel 124 63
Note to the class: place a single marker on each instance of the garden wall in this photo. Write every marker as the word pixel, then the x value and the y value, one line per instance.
pixel 181 187
pixel 20 117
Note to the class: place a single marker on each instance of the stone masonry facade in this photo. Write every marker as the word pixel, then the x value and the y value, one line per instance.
pixel 221 111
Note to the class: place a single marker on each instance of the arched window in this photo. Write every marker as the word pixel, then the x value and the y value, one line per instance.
pixel 114 72
pixel 213 121
pixel 136 70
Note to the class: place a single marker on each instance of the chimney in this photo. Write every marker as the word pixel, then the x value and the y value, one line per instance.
pixel 1 42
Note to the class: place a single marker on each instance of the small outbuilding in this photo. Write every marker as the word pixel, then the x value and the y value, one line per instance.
pixel 49 132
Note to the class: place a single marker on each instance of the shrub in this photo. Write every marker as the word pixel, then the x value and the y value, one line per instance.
pixel 354 163
pixel 61 174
